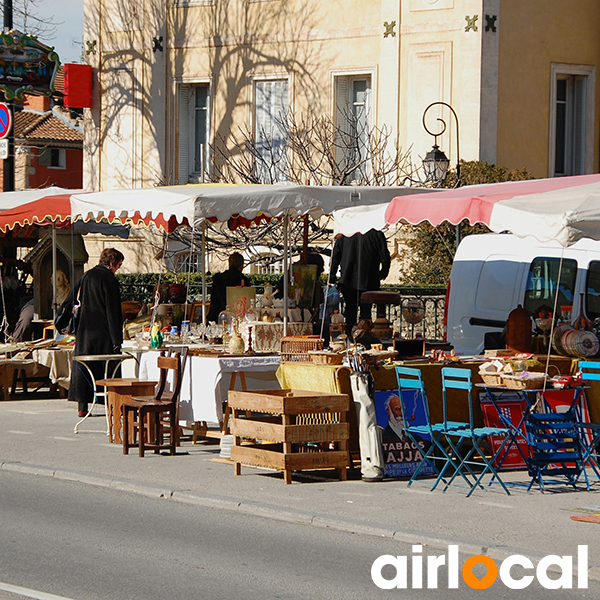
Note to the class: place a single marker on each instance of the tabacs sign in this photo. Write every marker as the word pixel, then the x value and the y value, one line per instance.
pixel 26 66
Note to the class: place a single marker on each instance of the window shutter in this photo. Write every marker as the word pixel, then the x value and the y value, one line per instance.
pixel 578 126
pixel 342 121
pixel 184 136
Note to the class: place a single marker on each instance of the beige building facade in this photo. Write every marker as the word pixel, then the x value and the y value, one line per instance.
pixel 174 79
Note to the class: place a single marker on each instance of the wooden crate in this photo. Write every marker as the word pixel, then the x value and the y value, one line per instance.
pixel 297 430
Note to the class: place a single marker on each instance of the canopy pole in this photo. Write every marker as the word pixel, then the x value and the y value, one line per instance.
pixel 203 268
pixel 286 223
pixel 54 270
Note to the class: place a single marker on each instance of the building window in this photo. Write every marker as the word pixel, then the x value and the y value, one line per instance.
pixel 353 108
pixel 53 158
pixel 271 106
pixel 194 130
pixel 572 120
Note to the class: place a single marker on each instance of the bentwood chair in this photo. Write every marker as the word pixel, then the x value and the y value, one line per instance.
pixel 148 419
pixel 459 434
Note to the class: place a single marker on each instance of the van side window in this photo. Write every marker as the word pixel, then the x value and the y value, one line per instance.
pixel 542 282
pixel 592 301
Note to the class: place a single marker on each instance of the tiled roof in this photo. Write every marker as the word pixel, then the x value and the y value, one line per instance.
pixel 46 126
pixel 59 80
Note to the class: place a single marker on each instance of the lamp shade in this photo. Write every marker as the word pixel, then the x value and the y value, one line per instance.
pixel 435 164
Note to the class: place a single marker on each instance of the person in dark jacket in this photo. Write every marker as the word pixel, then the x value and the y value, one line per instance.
pixel 365 261
pixel 233 277
pixel 100 323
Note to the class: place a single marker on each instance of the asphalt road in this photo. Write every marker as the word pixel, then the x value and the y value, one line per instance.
pixel 65 540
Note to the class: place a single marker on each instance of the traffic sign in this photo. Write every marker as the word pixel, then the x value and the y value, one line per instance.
pixel 3 149
pixel 5 120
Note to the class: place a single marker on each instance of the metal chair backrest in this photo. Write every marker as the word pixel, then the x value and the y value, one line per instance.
pixel 411 379
pixel 590 370
pixel 457 379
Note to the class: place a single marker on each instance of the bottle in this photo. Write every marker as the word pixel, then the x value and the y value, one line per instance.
pixel 155 336
pixel 236 342
pixel 226 318
pixel 251 313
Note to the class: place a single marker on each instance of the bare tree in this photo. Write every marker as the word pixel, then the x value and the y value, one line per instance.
pixel 26 19
pixel 317 151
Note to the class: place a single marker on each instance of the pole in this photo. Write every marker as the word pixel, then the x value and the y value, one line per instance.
pixel 54 307
pixel 286 224
pixel 8 171
pixel 203 263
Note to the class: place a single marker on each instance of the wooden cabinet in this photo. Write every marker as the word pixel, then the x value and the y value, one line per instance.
pixel 290 430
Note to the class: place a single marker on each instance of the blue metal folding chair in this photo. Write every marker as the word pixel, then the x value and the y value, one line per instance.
pixel 460 379
pixel 589 432
pixel 555 449
pixel 411 380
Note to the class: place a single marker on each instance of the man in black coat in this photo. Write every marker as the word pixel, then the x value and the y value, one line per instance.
pixel 233 277
pixel 99 324
pixel 365 262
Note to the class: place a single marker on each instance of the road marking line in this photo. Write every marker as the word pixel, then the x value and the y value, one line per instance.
pixel 15 589
pixel 21 432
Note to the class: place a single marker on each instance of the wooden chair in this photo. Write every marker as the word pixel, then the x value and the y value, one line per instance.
pixel 149 418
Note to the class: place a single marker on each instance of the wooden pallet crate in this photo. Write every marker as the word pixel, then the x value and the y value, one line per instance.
pixel 295 430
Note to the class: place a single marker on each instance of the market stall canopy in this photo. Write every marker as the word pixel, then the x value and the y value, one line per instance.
pixel 196 203
pixel 54 209
pixel 565 209
pixel 10 200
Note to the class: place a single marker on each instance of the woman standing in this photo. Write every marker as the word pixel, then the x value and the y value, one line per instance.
pixel 100 324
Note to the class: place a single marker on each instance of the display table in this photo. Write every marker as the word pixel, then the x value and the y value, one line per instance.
pixel 207 379
pixel 303 430
pixel 13 368
pixel 336 379
pixel 59 361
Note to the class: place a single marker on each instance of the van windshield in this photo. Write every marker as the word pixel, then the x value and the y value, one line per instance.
pixel 592 304
pixel 542 282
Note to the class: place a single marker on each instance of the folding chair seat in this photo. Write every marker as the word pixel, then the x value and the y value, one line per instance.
pixel 555 449
pixel 410 380
pixel 457 433
pixel 147 419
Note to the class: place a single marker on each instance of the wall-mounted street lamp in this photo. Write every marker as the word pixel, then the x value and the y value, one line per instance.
pixel 436 163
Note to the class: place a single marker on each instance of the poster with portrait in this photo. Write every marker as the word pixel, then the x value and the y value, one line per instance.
pixel 401 454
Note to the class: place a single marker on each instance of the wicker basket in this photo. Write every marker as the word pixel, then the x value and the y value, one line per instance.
pixel 491 378
pixel 516 382
pixel 325 358
pixel 296 348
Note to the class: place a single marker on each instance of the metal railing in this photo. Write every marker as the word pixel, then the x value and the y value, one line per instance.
pixel 431 327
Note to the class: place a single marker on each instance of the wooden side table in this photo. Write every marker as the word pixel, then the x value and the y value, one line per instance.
pixel 119 389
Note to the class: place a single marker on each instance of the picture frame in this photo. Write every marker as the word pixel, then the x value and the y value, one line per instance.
pixel 196 312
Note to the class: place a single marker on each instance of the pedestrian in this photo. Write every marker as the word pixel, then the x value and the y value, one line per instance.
pixel 99 323
pixel 233 277
pixel 365 261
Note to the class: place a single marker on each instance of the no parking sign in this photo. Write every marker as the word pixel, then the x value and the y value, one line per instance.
pixel 5 120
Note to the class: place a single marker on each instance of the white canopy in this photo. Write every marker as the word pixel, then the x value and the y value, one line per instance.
pixel 10 200
pixel 221 201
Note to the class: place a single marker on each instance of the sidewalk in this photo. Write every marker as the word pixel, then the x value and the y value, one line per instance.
pixel 37 438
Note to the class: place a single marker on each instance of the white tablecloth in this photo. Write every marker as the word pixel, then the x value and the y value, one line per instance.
pixel 206 381
pixel 59 361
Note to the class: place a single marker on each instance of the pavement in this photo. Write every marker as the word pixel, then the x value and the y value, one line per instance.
pixel 37 439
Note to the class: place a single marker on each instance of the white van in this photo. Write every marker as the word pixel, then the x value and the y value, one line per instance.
pixel 493 273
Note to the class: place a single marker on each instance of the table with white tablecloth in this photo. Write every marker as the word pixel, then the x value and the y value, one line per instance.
pixel 207 379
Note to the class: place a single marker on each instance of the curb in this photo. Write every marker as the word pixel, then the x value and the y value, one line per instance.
pixel 270 511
